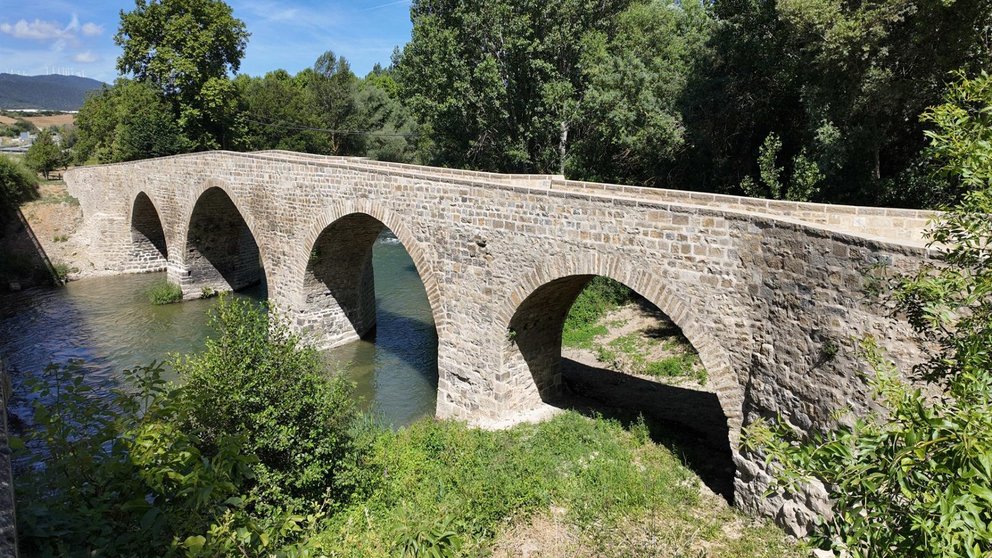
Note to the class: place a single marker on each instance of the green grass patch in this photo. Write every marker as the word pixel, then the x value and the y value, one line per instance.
pixel 442 486
pixel 164 292
pixel 601 295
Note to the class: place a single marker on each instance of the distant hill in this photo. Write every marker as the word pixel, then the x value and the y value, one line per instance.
pixel 52 92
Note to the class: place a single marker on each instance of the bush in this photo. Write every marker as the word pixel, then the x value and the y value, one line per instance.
pixel 241 460
pixel 17 183
pixel 164 292
pixel 256 380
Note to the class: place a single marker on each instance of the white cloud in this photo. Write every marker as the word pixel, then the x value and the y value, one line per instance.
pixel 40 30
pixel 86 57
pixel 37 29
pixel 92 29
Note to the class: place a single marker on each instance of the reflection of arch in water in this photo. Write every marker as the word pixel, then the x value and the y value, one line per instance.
pixel 149 250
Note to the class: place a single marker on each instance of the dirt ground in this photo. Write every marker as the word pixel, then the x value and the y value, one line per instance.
pixel 657 338
pixel 7 120
pixel 42 122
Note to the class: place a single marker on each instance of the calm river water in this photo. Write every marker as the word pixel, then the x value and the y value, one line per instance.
pixel 109 324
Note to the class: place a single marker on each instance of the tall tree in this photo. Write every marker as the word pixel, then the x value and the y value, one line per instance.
pixel 186 49
pixel 494 83
pixel 629 126
pixel 125 122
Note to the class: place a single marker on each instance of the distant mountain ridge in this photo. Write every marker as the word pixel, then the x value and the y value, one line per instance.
pixel 52 92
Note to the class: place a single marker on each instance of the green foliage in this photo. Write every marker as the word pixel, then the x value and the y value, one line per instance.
pixel 126 122
pixel 103 476
pixel 44 155
pixel 863 72
pixel 257 380
pixel 164 292
pixel 914 478
pixel 961 137
pixel 495 84
pixel 16 183
pixel 601 295
pixel 805 180
pixel 628 126
pixel 184 49
pixel 62 271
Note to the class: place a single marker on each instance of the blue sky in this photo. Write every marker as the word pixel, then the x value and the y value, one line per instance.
pixel 45 36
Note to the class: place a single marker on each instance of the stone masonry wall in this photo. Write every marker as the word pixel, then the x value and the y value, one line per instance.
pixel 759 292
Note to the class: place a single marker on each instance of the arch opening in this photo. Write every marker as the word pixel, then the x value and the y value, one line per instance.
pixel 596 346
pixel 148 247
pixel 221 251
pixel 361 284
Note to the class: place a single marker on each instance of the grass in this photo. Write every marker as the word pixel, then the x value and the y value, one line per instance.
pixel 601 295
pixel 439 485
pixel 164 292
pixel 62 270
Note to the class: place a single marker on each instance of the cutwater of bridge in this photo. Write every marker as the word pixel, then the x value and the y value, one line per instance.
pixel 771 294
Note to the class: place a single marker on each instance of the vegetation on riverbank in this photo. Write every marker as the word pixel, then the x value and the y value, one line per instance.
pixel 260 453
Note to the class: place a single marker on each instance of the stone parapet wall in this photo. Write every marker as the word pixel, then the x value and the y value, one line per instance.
pixel 759 288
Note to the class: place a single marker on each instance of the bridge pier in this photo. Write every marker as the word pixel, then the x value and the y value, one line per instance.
pixel 337 305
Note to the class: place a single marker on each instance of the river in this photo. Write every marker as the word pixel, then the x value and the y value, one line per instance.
pixel 109 324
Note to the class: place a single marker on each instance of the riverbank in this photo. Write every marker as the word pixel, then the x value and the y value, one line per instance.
pixel 39 243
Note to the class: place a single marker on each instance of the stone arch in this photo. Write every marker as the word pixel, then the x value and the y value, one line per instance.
pixel 560 281
pixel 149 247
pixel 362 216
pixel 222 250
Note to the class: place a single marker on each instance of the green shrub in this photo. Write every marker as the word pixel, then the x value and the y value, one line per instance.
pixel 17 183
pixel 164 292
pixel 255 379
pixel 241 460
pixel 62 271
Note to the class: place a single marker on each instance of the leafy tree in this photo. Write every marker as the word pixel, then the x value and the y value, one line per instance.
pixel 494 84
pixel 185 49
pixel 914 478
pixel 126 122
pixel 44 155
pixel 629 127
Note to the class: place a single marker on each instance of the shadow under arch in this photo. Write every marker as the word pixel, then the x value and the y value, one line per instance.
pixel 149 248
pixel 222 253
pixel 703 425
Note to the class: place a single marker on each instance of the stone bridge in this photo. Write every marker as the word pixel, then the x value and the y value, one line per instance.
pixel 770 293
